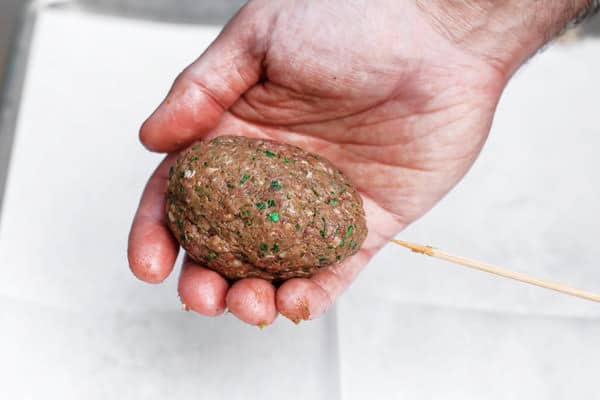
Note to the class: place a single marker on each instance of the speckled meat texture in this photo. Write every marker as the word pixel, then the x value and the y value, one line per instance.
pixel 258 208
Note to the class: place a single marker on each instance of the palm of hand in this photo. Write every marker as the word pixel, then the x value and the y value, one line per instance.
pixel 403 121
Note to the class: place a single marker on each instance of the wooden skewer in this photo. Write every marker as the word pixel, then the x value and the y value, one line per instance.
pixel 559 287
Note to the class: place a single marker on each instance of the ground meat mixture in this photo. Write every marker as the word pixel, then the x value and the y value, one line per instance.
pixel 258 208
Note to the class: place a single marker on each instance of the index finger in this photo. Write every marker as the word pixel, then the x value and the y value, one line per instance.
pixel 152 249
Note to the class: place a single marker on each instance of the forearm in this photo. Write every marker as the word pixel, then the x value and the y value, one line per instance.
pixel 505 32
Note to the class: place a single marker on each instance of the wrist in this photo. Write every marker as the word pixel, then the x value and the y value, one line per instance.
pixel 505 34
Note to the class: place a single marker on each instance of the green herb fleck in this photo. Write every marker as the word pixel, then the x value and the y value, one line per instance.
pixel 333 202
pixel 260 205
pixel 181 189
pixel 275 247
pixel 343 243
pixel 338 257
pixel 198 190
pixel 332 193
pixel 194 158
pixel 337 230
pixel 286 160
pixel 322 233
pixel 211 256
pixel 322 260
pixel 271 203
pixel 171 170
pixel 275 185
pixel 264 247
pixel 349 231
pixel 288 196
pixel 270 154
pixel 246 213
pixel 274 217
pixel 353 244
pixel 230 185
pixel 179 224
pixel 298 227
pixel 205 163
pixel 244 178
pixel 253 158
pixel 330 247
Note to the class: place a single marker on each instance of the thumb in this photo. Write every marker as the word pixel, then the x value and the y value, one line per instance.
pixel 208 87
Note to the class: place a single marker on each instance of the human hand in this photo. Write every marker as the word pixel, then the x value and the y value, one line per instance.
pixel 379 88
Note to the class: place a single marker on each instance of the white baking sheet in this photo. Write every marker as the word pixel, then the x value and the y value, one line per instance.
pixel 75 323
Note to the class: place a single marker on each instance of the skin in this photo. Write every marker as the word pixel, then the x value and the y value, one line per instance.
pixel 399 95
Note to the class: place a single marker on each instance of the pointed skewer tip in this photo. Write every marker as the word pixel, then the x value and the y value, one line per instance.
pixel 417 248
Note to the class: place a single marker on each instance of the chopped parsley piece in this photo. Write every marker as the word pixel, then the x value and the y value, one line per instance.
pixel 342 243
pixel 264 247
pixel 323 260
pixel 270 154
pixel 333 202
pixel 230 185
pixel 330 247
pixel 286 160
pixel 194 158
pixel 298 227
pixel 275 247
pixel 338 257
pixel 349 231
pixel 246 213
pixel 205 163
pixel 244 179
pixel 198 190
pixel 271 203
pixel 274 217
pixel 322 233
pixel 260 205
pixel 275 185
pixel 211 256
pixel 181 189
